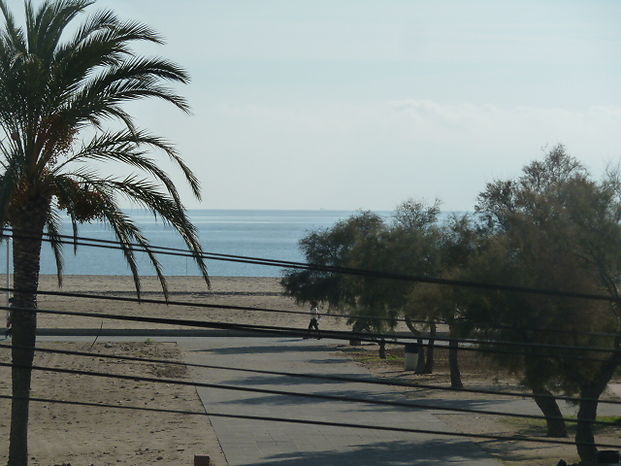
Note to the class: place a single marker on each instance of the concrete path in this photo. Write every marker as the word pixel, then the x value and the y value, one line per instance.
pixel 270 443
pixel 261 443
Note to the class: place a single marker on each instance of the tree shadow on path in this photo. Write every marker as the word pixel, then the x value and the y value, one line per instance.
pixel 261 349
pixel 396 453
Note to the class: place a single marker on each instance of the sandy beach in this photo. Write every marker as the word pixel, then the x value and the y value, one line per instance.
pixel 262 292
pixel 78 435
pixel 84 436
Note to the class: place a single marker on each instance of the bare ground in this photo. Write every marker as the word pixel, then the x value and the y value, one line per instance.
pixel 258 292
pixel 78 435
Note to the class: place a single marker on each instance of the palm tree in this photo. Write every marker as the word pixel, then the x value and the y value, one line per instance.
pixel 57 89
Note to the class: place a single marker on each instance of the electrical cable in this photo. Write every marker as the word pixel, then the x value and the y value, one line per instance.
pixel 246 259
pixel 305 375
pixel 315 396
pixel 313 422
pixel 536 291
pixel 367 273
pixel 364 336
pixel 276 330
pixel 272 330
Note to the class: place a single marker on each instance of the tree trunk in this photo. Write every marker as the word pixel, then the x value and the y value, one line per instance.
pixel 382 349
pixel 429 362
pixel 453 359
pixel 587 412
pixel 29 222
pixel 584 428
pixel 549 407
pixel 420 363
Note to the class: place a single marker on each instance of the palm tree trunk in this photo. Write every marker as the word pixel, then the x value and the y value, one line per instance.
pixel 26 255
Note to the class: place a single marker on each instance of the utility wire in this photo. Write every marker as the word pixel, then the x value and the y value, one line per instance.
pixel 274 330
pixel 511 289
pixel 109 244
pixel 351 271
pixel 313 422
pixel 305 375
pixel 262 261
pixel 366 336
pixel 314 396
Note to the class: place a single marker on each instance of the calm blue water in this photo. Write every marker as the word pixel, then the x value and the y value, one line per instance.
pixel 271 234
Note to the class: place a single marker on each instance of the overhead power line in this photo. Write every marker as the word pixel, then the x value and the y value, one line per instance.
pixel 504 438
pixel 333 378
pixel 108 244
pixel 272 330
pixel 315 396
pixel 366 336
pixel 276 330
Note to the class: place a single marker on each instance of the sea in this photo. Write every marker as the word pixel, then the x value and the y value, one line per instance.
pixel 269 234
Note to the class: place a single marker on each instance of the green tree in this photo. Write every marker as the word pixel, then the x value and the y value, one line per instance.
pixel 59 85
pixel 365 241
pixel 331 247
pixel 510 317
pixel 409 245
pixel 457 241
pixel 553 228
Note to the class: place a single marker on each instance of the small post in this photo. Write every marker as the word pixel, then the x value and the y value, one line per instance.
pixel 411 356
pixel 382 349
pixel 202 460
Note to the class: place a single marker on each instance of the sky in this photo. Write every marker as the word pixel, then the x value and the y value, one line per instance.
pixel 362 104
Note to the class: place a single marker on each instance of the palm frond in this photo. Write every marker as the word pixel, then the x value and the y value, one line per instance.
pixel 12 35
pixel 146 194
pixel 127 233
pixel 67 190
pixel 101 41
pixel 136 74
pixel 53 230
pixel 124 230
pixel 8 186
pixel 46 26
pixel 122 146
pixel 100 20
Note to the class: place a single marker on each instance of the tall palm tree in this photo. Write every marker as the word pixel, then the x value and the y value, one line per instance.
pixel 57 90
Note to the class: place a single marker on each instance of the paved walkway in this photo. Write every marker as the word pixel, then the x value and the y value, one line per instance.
pixel 261 443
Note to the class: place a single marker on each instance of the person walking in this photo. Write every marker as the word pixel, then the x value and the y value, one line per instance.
pixel 314 321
